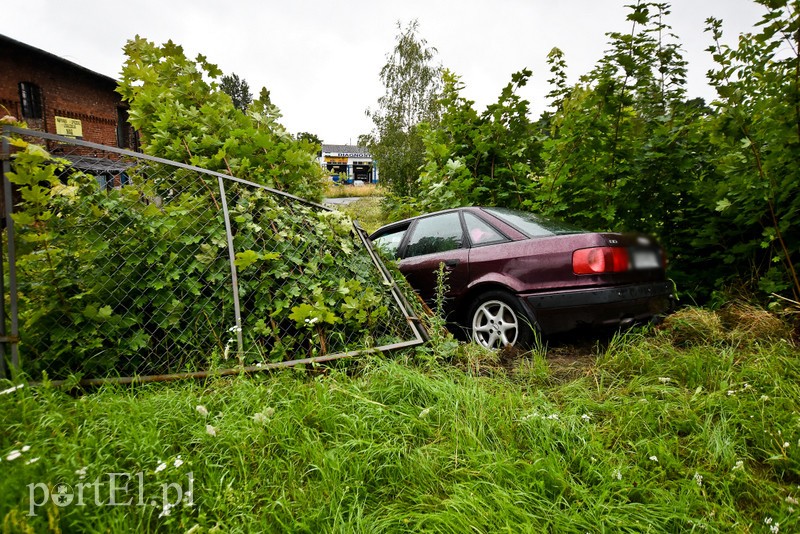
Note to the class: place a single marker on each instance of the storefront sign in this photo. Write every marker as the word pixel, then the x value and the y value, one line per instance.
pixel 351 155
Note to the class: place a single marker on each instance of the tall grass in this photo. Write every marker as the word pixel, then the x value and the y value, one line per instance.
pixel 350 191
pixel 660 433
pixel 367 211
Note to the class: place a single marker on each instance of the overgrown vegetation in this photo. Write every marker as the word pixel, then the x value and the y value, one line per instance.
pixel 626 149
pixel 691 427
pixel 182 115
pixel 137 280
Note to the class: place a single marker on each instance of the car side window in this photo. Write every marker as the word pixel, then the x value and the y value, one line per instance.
pixel 389 243
pixel 480 232
pixel 439 233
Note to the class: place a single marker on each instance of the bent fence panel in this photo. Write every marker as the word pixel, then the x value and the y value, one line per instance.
pixel 120 266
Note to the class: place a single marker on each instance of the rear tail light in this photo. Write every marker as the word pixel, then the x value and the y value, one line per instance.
pixel 599 260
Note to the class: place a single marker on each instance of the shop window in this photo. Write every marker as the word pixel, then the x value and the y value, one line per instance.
pixel 30 96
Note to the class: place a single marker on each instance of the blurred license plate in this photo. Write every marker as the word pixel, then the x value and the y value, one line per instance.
pixel 645 259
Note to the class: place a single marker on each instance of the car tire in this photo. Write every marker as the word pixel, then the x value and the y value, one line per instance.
pixel 497 319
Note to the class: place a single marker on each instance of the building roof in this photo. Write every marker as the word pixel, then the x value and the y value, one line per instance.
pixel 345 149
pixel 6 41
pixel 97 165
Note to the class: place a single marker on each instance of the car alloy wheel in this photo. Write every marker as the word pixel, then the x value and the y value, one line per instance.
pixel 495 324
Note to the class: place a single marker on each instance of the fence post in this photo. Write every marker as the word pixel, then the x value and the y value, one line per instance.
pixel 12 338
pixel 234 277
pixel 4 155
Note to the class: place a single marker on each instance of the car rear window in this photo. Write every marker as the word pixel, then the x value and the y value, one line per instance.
pixel 480 232
pixel 533 225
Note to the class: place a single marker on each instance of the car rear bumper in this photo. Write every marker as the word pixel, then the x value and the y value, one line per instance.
pixel 607 306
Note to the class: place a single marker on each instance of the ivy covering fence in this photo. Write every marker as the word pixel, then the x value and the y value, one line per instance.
pixel 128 265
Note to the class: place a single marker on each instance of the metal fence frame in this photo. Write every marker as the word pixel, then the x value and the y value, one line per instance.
pixel 9 320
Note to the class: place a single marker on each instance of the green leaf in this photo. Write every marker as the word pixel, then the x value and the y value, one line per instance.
pixel 246 258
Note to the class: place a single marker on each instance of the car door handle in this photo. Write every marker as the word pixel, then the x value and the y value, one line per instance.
pixel 451 263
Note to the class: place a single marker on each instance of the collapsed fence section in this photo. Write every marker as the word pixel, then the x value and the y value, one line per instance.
pixel 123 267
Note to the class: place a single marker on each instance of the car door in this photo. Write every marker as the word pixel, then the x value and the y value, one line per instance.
pixel 431 241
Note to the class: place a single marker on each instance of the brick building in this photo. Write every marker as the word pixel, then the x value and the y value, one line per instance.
pixel 58 96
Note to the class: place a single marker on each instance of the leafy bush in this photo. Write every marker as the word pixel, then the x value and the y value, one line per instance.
pixel 624 149
pixel 137 280
pixel 182 115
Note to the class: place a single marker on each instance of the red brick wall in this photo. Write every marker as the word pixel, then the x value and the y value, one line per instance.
pixel 67 91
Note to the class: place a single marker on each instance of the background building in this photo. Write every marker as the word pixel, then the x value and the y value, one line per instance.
pixel 349 162
pixel 54 95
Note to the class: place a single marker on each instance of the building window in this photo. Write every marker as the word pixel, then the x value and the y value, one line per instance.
pixel 123 129
pixel 30 95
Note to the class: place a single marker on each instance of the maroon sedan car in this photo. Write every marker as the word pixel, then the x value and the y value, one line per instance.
pixel 512 273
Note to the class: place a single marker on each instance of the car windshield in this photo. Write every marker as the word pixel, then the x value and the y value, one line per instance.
pixel 533 225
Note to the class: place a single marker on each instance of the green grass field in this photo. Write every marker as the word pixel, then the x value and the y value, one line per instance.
pixel 694 426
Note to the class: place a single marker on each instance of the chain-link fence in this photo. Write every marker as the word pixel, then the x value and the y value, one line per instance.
pixel 122 266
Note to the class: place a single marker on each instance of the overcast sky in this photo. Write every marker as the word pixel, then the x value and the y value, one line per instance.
pixel 321 59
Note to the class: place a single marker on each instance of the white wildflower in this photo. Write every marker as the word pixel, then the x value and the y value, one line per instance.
pixel 654 459
pixel 767 520
pixel 26 448
pixel 791 500
pixel 775 528
pixel 698 479
pixel 81 472
pixel 553 417
pixel 731 392
pixel 586 417
pixel 664 379
pixel 211 431
pixel 764 398
pixel 32 461
pixel 739 465
pixel 161 466
pixel 424 413
pixel 260 418
pixel 786 444
pixel 202 410
pixel 178 462
pixel 165 511
pixel 618 474
pixel 13 455
pixel 269 411
pixel 12 389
